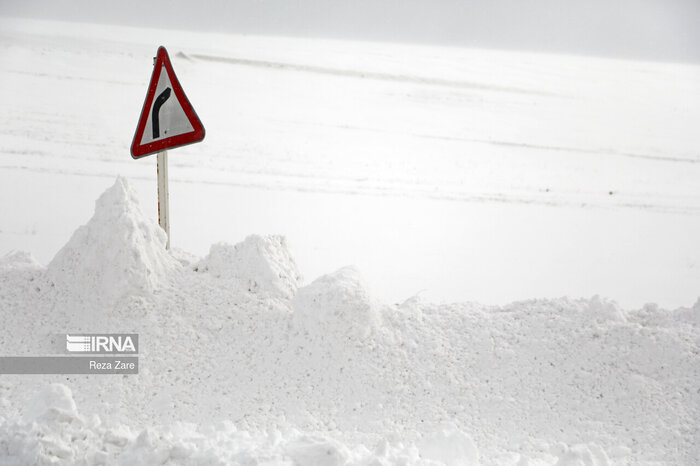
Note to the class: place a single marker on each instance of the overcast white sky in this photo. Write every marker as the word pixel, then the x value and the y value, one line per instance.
pixel 666 30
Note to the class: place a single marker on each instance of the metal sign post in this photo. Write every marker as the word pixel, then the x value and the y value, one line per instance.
pixel 163 195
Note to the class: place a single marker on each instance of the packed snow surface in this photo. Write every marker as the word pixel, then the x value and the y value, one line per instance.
pixel 241 362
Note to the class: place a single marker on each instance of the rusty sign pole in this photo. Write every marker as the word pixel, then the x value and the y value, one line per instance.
pixel 163 195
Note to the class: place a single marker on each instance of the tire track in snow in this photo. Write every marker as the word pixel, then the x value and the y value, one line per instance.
pixel 492 142
pixel 377 76
pixel 424 192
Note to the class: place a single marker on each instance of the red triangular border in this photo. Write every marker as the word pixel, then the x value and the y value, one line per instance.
pixel 138 150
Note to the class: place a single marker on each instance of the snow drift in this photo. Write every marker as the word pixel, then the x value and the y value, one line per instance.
pixel 18 260
pixel 57 433
pixel 118 251
pixel 242 362
pixel 338 303
pixel 261 265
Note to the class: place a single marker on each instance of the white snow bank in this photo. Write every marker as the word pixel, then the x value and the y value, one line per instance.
pixel 602 310
pixel 55 402
pixel 330 376
pixel 450 446
pixel 19 260
pixel 260 264
pixel 337 303
pixel 119 251
pixel 581 455
pixel 18 271
pixel 56 433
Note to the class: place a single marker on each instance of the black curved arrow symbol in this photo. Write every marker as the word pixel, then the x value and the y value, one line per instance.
pixel 160 100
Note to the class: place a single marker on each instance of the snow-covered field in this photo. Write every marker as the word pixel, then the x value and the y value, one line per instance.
pixel 442 174
pixel 462 174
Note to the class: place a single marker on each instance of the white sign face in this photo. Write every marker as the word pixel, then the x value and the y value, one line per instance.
pixel 167 118
pixel 166 112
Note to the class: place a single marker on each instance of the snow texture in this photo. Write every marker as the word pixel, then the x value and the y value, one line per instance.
pixel 118 251
pixel 242 364
pixel 473 174
pixel 262 265
pixel 18 260
pixel 58 434
pixel 337 303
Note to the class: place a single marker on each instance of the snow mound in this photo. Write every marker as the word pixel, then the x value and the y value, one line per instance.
pixel 338 303
pixel 318 451
pixel 19 260
pixel 693 314
pixel 581 455
pixel 54 402
pixel 327 375
pixel 260 264
pixel 603 310
pixel 118 252
pixel 55 432
pixel 449 446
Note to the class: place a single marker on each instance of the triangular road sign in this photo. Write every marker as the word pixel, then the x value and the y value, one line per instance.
pixel 167 119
